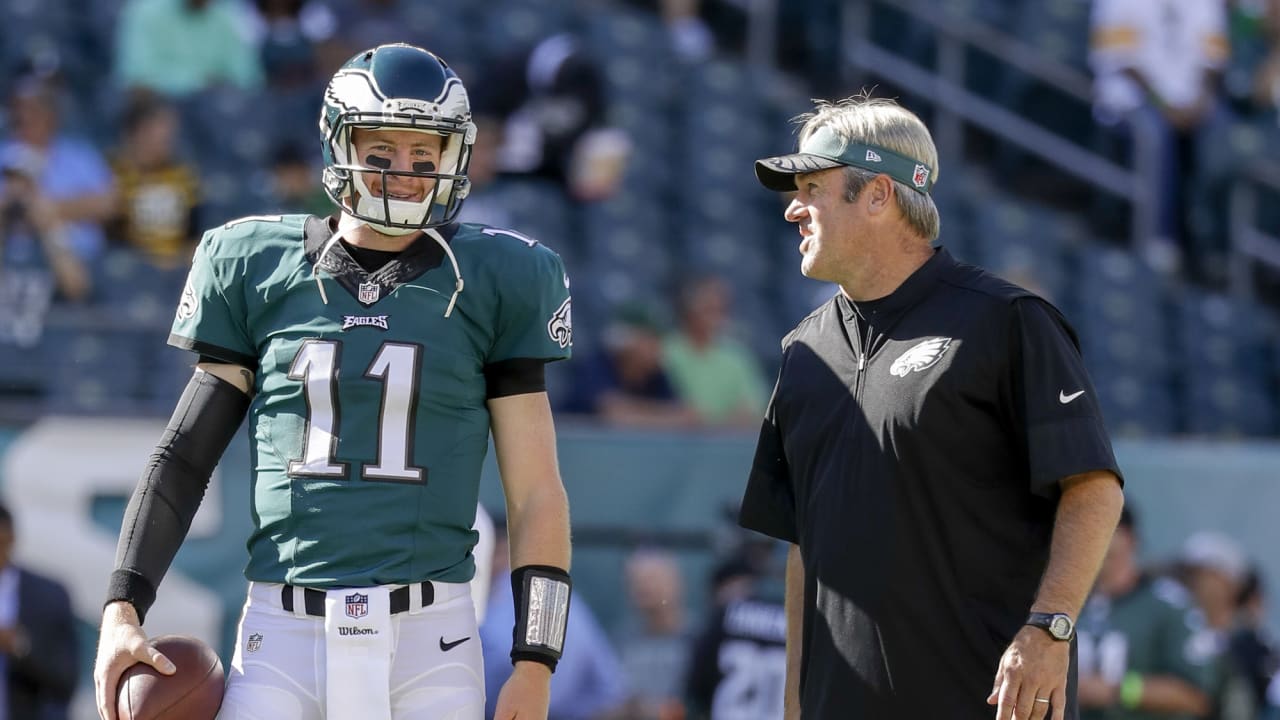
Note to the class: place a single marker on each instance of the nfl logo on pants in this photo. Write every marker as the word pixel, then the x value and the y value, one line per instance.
pixel 357 605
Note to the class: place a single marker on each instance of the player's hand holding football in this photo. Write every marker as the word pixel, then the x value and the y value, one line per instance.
pixel 121 643
pixel 526 695
pixel 1033 666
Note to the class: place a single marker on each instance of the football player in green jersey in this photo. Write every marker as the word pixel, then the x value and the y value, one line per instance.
pixel 372 376
pixel 1139 654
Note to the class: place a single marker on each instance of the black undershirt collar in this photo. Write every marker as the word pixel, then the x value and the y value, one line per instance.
pixel 869 319
pixel 355 276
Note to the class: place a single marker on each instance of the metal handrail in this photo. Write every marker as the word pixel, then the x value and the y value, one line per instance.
pixel 1248 242
pixel 1048 146
pixel 956 105
pixel 1007 48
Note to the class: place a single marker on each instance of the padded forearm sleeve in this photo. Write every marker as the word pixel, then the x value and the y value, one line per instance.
pixel 541 595
pixel 172 485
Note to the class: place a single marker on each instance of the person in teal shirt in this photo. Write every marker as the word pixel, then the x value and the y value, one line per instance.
pixel 179 47
pixel 714 374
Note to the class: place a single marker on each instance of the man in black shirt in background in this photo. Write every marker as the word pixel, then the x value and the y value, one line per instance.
pixel 933 450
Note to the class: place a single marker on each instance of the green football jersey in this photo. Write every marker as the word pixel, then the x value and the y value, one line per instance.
pixel 1154 630
pixel 369 424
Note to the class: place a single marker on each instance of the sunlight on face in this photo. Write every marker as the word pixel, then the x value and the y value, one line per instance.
pixel 825 221
pixel 399 150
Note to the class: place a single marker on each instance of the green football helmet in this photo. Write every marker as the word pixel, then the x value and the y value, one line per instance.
pixel 398 87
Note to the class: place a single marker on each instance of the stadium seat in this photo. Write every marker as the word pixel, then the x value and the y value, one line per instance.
pixel 1134 404
pixel 1224 369
pixel 95 372
pixel 1024 243
pixel 1057 28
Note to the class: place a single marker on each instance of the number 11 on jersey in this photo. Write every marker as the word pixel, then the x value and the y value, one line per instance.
pixel 396 366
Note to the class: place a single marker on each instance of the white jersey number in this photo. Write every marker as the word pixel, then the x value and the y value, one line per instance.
pixel 397 367
pixel 753 683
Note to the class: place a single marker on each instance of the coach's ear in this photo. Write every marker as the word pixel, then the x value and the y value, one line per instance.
pixel 879 195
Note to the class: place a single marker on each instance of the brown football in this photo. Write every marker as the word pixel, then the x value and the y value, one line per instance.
pixel 192 692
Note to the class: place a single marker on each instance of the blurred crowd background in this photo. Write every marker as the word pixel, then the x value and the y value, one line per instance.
pixel 1117 156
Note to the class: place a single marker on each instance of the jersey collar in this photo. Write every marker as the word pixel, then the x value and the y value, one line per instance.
pixel 367 288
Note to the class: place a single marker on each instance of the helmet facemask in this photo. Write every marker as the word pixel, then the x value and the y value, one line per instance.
pixel 346 186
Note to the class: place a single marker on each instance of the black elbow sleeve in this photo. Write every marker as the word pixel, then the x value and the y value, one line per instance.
pixel 172 485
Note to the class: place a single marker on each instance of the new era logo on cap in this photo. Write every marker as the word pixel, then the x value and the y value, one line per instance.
pixel 873 156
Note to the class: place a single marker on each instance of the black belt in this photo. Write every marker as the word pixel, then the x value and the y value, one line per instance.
pixel 313 600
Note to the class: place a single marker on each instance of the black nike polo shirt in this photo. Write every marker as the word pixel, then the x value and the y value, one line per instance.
pixel 913 449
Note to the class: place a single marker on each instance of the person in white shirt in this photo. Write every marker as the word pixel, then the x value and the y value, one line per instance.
pixel 1158 66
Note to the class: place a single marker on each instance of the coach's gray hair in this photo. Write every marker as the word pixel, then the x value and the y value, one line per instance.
pixel 883 122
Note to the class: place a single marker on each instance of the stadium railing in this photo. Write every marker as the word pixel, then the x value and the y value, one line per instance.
pixel 957 105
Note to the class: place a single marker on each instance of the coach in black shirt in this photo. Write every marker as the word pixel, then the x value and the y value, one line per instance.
pixel 933 450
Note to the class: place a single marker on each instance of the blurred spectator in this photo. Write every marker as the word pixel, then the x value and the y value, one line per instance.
pixel 36 264
pixel 1159 66
pixel 297 43
pixel 738 664
pixel 159 194
pixel 690 36
pixel 1251 644
pixel 551 101
pixel 1213 567
pixel 295 183
pixel 588 683
pixel 805 41
pixel 38 645
pixel 180 47
pixel 1255 32
pixel 369 23
pixel 624 383
pixel 1138 657
pixel 70 173
pixel 655 653
pixel 714 374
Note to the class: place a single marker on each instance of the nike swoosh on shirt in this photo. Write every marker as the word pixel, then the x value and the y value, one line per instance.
pixel 447 646
pixel 1065 398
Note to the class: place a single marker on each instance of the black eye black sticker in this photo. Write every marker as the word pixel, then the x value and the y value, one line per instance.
pixel 378 162
pixel 424 167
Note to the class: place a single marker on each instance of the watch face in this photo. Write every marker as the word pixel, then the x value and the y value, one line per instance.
pixel 1060 627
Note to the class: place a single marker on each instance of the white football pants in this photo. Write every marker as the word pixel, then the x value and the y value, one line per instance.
pixel 434 670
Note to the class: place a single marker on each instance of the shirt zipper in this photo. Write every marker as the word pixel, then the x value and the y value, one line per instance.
pixel 863 352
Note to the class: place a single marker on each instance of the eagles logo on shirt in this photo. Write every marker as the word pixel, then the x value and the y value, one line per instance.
pixel 560 327
pixel 188 304
pixel 921 356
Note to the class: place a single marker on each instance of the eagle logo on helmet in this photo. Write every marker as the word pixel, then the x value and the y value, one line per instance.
pixel 921 356
pixel 560 327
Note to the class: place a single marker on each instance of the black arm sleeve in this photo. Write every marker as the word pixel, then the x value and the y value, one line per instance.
pixel 172 486
pixel 516 376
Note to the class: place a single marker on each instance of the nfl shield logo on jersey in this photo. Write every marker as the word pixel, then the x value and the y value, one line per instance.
pixel 357 605
pixel 369 293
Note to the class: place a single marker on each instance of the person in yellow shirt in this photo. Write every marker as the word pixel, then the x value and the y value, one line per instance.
pixel 159 194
